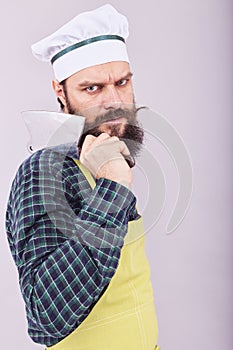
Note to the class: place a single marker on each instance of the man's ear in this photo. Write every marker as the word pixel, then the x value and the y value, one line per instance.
pixel 59 91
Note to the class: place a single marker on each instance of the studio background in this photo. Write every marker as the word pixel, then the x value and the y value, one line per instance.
pixel 181 53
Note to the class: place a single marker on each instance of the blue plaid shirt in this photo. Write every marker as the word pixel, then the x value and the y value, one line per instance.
pixel 65 239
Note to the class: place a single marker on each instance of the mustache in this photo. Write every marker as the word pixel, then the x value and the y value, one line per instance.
pixel 133 134
pixel 93 128
pixel 112 114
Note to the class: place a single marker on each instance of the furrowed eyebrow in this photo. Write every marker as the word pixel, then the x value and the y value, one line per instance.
pixel 127 76
pixel 86 83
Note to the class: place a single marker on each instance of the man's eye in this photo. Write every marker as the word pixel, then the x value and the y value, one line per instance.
pixel 92 88
pixel 122 82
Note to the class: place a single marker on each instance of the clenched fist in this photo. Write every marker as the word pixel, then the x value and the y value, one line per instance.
pixel 104 155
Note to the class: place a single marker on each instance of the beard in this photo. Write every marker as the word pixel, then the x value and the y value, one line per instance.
pixel 131 132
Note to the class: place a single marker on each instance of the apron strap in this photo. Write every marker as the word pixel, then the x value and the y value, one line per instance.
pixel 86 173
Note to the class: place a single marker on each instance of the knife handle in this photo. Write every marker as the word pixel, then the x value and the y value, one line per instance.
pixel 130 160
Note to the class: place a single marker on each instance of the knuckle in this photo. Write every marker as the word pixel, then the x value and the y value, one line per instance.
pixel 89 138
pixel 115 138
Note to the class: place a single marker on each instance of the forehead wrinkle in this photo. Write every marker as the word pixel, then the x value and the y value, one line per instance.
pixel 110 78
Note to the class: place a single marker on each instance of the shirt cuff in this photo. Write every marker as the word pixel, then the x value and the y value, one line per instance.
pixel 111 202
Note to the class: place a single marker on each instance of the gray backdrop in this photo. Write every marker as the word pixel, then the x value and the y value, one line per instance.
pixel 181 53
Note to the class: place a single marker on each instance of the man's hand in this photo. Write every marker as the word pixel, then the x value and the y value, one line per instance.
pixel 103 157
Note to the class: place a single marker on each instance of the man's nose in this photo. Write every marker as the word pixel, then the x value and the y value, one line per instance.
pixel 111 98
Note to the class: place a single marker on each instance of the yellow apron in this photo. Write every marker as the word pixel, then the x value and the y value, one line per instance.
pixel 124 317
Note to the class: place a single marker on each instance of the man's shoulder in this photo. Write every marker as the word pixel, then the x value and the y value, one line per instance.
pixel 47 160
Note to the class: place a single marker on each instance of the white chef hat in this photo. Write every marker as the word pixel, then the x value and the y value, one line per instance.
pixel 91 38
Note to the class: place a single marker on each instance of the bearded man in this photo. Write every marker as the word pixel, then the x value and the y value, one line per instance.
pixel 73 228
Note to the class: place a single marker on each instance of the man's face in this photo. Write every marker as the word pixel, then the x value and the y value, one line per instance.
pixel 104 95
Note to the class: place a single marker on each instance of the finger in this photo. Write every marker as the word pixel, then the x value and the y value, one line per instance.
pixel 100 139
pixel 125 152
pixel 123 148
pixel 112 139
pixel 89 139
pixel 130 161
pixel 92 142
pixel 117 145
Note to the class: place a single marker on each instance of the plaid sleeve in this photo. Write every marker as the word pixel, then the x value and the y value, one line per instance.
pixel 66 241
